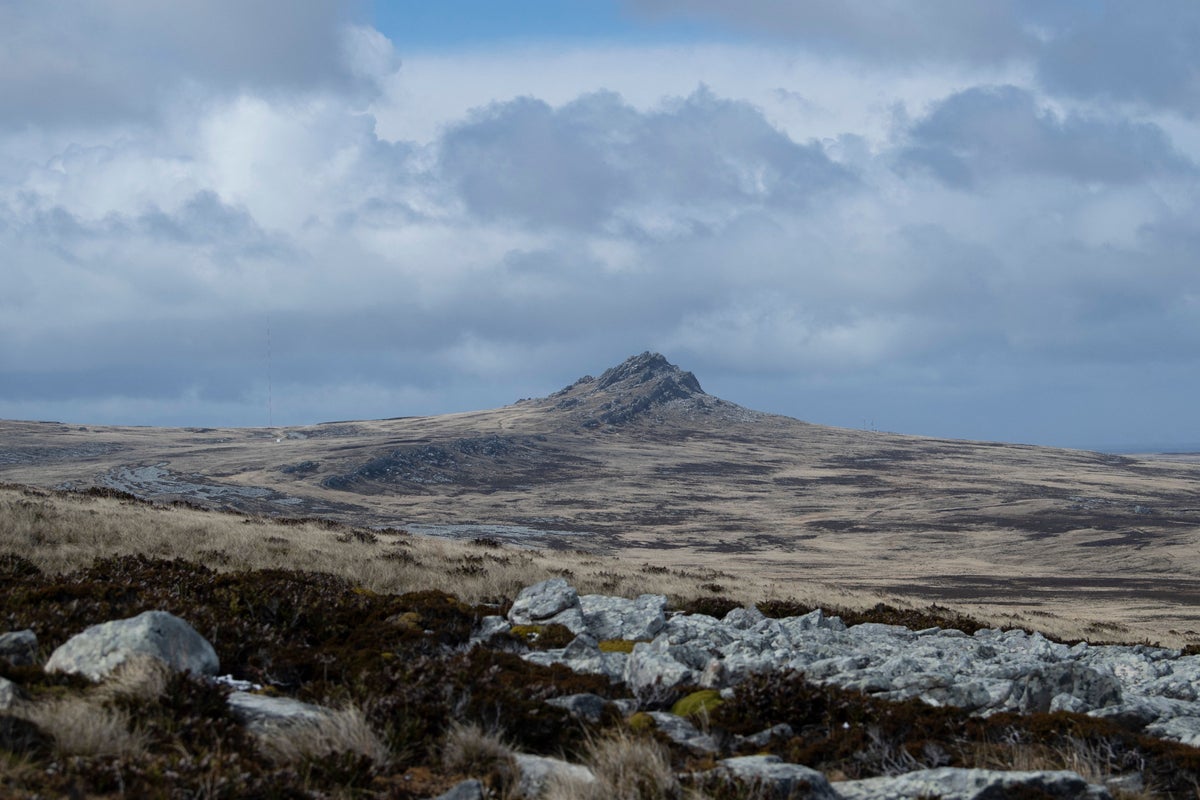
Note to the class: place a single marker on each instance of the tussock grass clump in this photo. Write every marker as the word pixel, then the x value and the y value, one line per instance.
pixel 344 731
pixel 626 766
pixel 140 676
pixel 83 727
pixel 471 752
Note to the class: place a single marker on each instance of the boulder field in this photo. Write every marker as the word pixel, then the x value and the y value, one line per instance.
pixel 985 673
pixel 654 656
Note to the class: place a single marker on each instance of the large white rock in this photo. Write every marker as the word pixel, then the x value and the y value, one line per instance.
pixel 102 648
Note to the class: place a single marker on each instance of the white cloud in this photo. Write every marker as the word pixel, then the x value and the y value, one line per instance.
pixel 494 222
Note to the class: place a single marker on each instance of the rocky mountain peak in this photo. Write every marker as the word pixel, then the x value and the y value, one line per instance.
pixel 629 390
pixel 647 368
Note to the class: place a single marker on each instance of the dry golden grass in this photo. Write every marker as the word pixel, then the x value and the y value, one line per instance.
pixel 65 532
pixel 140 676
pixel 626 766
pixel 1094 761
pixel 336 731
pixel 472 752
pixel 83 726
pixel 62 531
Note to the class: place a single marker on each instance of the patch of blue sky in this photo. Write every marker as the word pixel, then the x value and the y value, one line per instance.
pixel 424 25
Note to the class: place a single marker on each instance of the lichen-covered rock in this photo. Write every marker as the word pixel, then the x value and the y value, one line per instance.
pixel 1038 688
pixel 100 649
pixel 743 618
pixel 983 673
pixel 18 648
pixel 619 618
pixel 584 655
pixel 538 603
pixel 490 627
pixel 971 784
pixel 775 778
pixel 683 732
pixel 651 671
pixel 1181 729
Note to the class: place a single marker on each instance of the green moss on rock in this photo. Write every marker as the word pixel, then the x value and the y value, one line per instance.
pixel 701 703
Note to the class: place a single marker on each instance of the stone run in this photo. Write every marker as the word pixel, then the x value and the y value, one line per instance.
pixel 989 672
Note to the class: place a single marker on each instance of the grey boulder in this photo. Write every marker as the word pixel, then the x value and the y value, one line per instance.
pixel 466 790
pixel 537 771
pixel 586 707
pixel 259 712
pixel 950 783
pixel 620 618
pixel 682 732
pixel 651 671
pixel 538 604
pixel 18 648
pixel 775 778
pixel 10 694
pixel 100 649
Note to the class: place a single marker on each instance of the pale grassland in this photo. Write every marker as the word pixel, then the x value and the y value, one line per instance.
pixel 60 532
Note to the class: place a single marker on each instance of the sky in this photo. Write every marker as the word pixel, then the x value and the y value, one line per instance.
pixel 958 218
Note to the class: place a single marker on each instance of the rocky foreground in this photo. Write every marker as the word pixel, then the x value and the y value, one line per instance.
pixel 991 671
pixel 187 683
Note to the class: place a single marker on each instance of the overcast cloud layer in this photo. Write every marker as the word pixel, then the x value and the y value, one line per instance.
pixel 971 219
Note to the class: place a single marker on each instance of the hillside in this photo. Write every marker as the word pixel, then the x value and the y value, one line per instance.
pixel 641 463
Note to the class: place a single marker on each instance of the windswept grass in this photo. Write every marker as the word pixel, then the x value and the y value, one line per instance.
pixel 63 531
pixel 84 727
pixel 60 532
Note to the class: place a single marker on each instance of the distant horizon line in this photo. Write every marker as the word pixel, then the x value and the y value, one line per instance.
pixel 1110 448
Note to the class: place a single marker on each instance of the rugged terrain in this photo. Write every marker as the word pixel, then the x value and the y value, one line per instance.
pixel 640 462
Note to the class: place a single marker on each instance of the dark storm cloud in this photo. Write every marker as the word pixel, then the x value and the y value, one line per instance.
pixel 581 164
pixel 105 60
pixel 1002 130
pixel 1141 53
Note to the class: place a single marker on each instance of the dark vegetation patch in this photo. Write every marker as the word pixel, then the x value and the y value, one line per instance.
pixel 994 590
pixel 301 468
pixel 932 616
pixel 401 658
pixel 716 469
pixel 495 463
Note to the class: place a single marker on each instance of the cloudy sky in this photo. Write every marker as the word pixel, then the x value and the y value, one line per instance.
pixel 947 217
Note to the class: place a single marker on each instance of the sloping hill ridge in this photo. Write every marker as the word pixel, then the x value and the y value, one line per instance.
pixel 642 461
